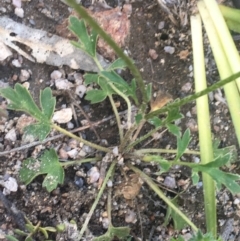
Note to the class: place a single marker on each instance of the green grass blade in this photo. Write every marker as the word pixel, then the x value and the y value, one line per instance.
pixel 203 116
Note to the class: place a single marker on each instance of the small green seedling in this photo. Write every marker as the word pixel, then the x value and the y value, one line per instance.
pixel 32 230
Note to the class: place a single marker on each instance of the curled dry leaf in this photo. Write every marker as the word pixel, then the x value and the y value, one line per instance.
pixel 161 100
pixel 5 51
pixel 183 54
pixel 131 187
pixel 52 50
pixel 113 20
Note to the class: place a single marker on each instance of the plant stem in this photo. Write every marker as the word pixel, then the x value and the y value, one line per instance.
pixel 193 97
pixel 84 15
pixel 155 188
pixel 78 162
pixel 120 129
pixel 98 63
pixel 142 138
pixel 153 150
pixel 109 206
pixel 127 101
pixel 108 175
pixel 67 133
pixel 204 126
pixel 226 39
pixel 126 139
pixel 222 61
pixel 140 126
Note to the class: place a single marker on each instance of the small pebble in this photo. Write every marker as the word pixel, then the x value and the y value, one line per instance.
pixel 19 12
pixel 82 153
pixel 32 22
pixel 105 223
pixel 11 135
pixel 170 182
pixel 188 114
pixel 10 185
pixel 88 149
pixel 115 151
pixel 192 125
pixel 199 185
pixel 130 217
pixel 16 63
pixel 104 214
pixel 72 143
pixel 17 3
pixel 79 182
pixel 236 201
pixel 56 74
pixel 3 10
pixel 169 49
pixel 78 78
pixel 73 153
pixel 93 175
pixel 63 154
pixel 80 90
pixel 161 25
pixel 24 75
pixel 63 116
pixel 63 84
pixel 109 183
pixel 153 54
pixel 70 125
pixel 87 166
pixel 186 87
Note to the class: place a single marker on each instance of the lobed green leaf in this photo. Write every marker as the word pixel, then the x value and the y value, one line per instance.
pixel 175 130
pixel 116 79
pixel 114 232
pixel 47 102
pixel 231 150
pixel 178 221
pixel 199 236
pixel 117 64
pixel 87 41
pixel 164 164
pixel 195 177
pixel 149 91
pixel 138 118
pixel 221 178
pixel 21 100
pixel 38 131
pixel 173 114
pixel 48 164
pixel 95 96
pixel 182 143
pixel 155 121
pixel 90 78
